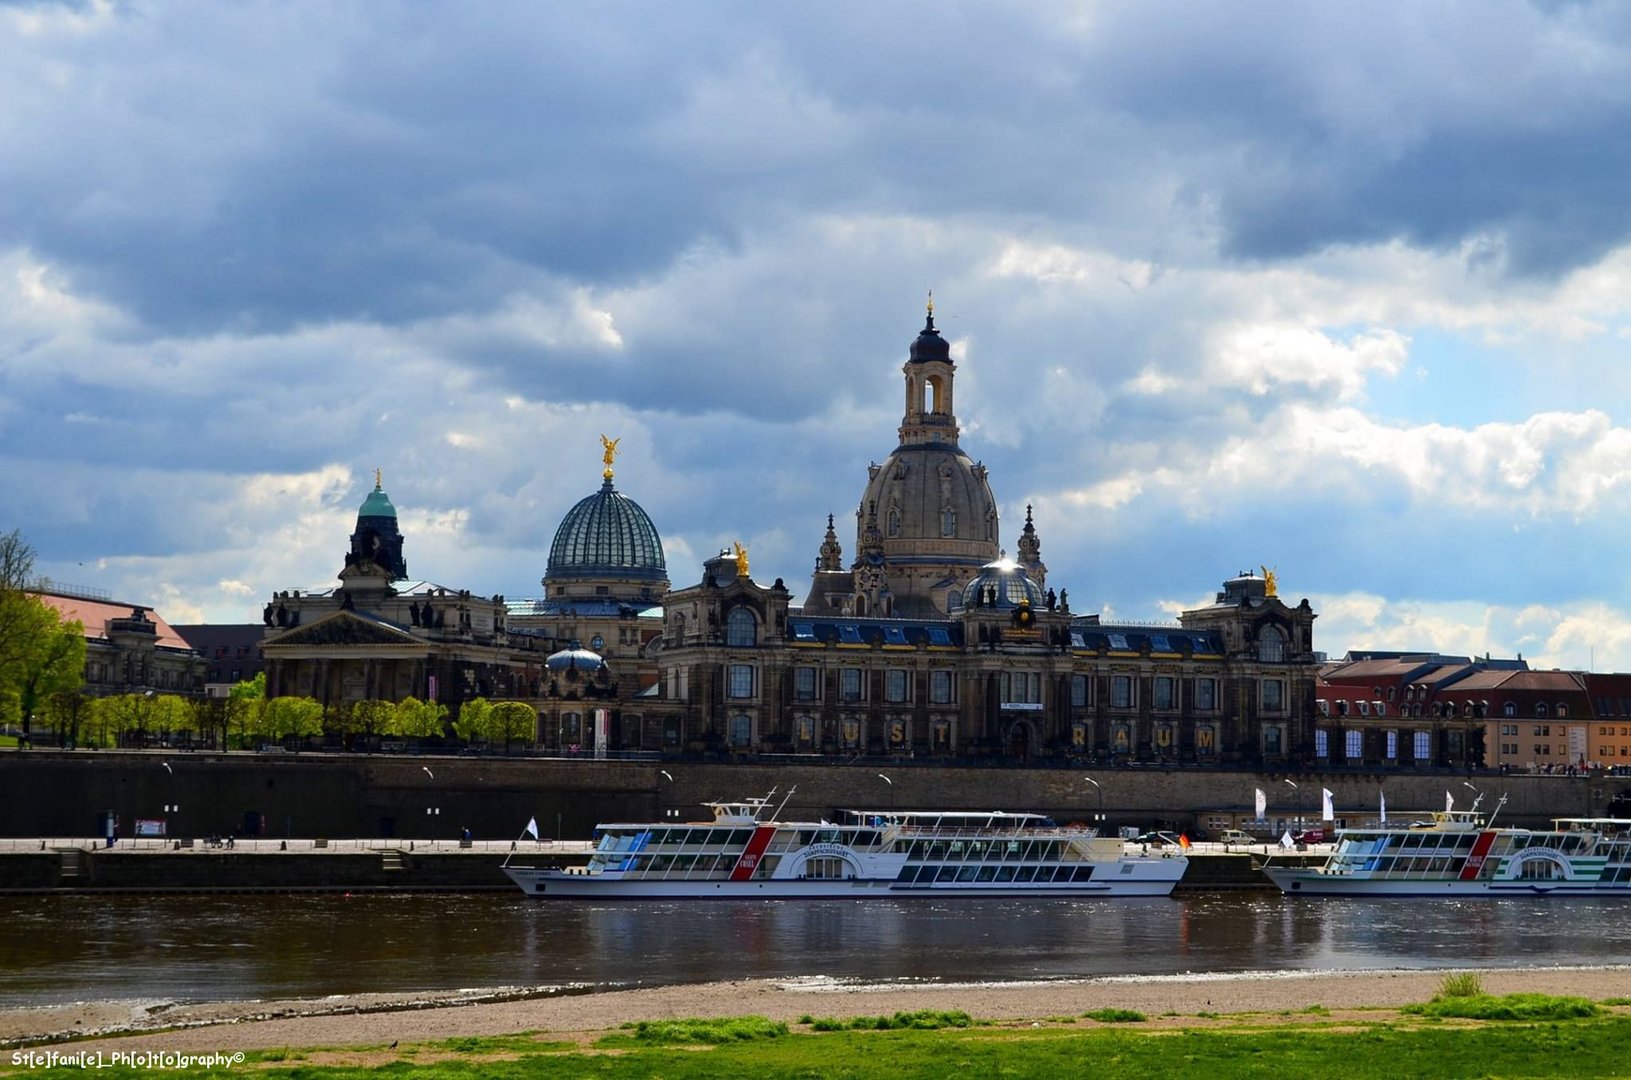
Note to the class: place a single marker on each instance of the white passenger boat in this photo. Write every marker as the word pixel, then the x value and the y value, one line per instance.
pixel 1458 853
pixel 744 851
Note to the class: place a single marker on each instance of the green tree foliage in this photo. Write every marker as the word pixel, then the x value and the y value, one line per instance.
pixel 40 655
pixel 47 657
pixel 171 716
pixel 474 723
pixel 125 718
pixel 245 703
pixel 512 721
pixel 291 718
pixel 68 714
pixel 210 715
pixel 420 719
pixel 374 718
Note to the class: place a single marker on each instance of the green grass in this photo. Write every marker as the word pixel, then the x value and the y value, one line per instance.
pixel 1527 1007
pixel 1116 1016
pixel 1413 1045
pixel 1462 984
pixel 922 1020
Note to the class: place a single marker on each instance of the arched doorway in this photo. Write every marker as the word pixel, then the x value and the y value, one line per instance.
pixel 1021 739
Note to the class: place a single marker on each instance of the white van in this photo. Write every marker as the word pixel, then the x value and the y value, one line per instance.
pixel 1235 836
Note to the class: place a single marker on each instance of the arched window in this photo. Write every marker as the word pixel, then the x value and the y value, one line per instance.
pixel 1540 708
pixel 1271 645
pixel 1562 710
pixel 1509 709
pixel 948 522
pixel 893 526
pixel 741 628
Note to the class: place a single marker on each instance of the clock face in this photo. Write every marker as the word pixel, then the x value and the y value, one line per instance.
pixel 1022 614
pixel 597 643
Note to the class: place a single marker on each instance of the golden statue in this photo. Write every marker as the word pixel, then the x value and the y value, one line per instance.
pixel 741 560
pixel 376 480
pixel 610 446
pixel 1270 586
pixel 931 303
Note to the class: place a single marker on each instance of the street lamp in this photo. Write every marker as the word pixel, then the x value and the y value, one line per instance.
pixel 1298 803
pixel 1100 790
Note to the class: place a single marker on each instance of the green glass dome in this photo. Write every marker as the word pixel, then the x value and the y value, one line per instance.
pixel 607 535
pixel 378 504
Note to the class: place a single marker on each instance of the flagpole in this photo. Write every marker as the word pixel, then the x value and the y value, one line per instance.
pixel 532 827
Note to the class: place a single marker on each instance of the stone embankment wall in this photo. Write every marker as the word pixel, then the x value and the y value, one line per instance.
pixel 66 794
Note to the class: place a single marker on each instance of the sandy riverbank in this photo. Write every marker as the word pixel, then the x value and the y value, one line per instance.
pixel 377 1019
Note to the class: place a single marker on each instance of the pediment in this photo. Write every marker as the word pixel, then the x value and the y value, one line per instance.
pixel 342 628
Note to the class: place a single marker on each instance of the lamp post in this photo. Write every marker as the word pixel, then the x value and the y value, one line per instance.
pixel 1297 803
pixel 1100 790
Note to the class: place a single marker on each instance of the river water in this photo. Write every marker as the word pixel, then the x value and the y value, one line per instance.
pixel 197 948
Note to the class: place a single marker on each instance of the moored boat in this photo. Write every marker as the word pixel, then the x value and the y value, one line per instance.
pixel 1458 853
pixel 746 851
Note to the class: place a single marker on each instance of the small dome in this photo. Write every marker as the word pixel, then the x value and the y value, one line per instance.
pixel 1001 584
pixel 607 535
pixel 575 658
pixel 930 345
pixel 378 504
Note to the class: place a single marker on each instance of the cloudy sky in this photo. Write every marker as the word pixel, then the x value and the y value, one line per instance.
pixel 1340 290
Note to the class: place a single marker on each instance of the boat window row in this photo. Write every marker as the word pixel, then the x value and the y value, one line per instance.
pixel 922 874
pixel 1016 850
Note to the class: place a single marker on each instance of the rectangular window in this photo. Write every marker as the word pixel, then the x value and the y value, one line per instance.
pixel 1022 687
pixel 1423 748
pixel 1392 746
pixel 849 684
pixel 741 730
pixel 1206 694
pixel 1322 743
pixel 940 692
pixel 1121 691
pixel 1355 748
pixel 804 684
pixel 895 685
pixel 1273 695
pixel 740 681
pixel 1164 693
pixel 1078 691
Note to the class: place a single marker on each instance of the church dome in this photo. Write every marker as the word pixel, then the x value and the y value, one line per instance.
pixel 929 344
pixel 1002 585
pixel 607 535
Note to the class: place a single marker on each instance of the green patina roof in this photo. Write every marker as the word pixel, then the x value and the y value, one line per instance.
pixel 378 504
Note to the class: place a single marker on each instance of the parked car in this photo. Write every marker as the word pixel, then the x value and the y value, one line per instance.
pixel 1309 836
pixel 1236 836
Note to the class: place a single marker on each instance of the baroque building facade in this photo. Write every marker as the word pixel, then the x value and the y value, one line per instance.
pixel 933 642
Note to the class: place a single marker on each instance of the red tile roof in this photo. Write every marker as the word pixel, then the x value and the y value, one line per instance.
pixel 96 614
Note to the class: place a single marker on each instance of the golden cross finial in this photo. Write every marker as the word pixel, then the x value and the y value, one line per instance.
pixel 610 446
pixel 376 480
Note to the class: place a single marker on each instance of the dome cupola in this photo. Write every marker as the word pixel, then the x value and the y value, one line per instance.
pixel 377 538
pixel 607 535
pixel 1003 585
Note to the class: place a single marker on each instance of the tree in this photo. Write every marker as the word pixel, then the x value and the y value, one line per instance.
pixel 474 723
pixel 46 657
pixel 245 702
pixel 170 714
pixel 373 718
pixel 125 716
pixel 68 713
pixel 292 718
pixel 420 719
pixel 512 720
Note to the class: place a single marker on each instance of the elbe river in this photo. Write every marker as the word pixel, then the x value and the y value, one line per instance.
pixel 64 948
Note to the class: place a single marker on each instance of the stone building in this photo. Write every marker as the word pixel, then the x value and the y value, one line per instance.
pixel 932 642
pixel 377 636
pixel 129 648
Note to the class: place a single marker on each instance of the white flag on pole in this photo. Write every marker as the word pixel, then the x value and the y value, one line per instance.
pixel 1449 801
pixel 1327 811
pixel 532 827
pixel 1383 796
pixel 1262 804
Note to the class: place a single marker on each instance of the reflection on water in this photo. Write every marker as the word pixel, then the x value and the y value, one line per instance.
pixel 64 948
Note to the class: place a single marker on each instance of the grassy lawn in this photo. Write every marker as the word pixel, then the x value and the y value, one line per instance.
pixel 1452 1036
